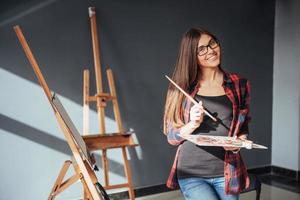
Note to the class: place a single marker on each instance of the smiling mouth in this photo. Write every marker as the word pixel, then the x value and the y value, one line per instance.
pixel 213 57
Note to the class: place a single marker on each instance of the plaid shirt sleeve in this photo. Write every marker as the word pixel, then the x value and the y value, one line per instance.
pixel 173 132
pixel 173 135
pixel 246 109
pixel 235 172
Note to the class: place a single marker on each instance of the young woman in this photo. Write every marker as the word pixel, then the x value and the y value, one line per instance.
pixel 208 173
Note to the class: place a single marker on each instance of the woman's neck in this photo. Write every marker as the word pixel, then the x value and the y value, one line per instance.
pixel 211 76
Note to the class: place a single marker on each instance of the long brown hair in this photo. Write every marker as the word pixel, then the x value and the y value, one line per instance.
pixel 186 75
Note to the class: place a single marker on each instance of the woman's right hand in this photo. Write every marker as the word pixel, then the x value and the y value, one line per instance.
pixel 196 118
pixel 196 114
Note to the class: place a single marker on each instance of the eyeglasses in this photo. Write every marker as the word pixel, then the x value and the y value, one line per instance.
pixel 202 50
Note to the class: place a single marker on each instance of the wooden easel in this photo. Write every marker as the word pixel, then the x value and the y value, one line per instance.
pixel 83 162
pixel 104 141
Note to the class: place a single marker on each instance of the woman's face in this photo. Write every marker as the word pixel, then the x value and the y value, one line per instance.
pixel 208 52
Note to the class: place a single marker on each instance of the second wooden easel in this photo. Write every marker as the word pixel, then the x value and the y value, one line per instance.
pixel 104 141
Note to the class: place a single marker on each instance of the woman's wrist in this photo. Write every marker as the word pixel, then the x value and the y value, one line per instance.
pixel 188 128
pixel 193 124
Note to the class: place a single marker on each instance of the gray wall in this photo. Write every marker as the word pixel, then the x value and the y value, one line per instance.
pixel 286 92
pixel 139 41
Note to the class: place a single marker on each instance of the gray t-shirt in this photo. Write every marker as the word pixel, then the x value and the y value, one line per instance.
pixel 202 161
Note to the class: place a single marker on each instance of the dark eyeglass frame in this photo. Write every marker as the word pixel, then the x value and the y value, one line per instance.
pixel 210 45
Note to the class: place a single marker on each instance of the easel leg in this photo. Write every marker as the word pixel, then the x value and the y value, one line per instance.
pixel 113 93
pixel 86 195
pixel 105 167
pixel 60 186
pixel 86 106
pixel 128 173
pixel 59 179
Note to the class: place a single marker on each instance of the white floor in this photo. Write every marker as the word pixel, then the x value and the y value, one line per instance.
pixel 268 193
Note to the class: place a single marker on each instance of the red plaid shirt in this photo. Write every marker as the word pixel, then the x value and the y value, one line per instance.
pixel 237 90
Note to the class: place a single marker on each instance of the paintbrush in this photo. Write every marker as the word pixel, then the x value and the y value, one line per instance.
pixel 190 98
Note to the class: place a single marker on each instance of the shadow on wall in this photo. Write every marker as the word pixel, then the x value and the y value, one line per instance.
pixel 47 140
pixel 21 10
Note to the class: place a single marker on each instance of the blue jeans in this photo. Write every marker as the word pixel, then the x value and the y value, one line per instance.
pixel 205 189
